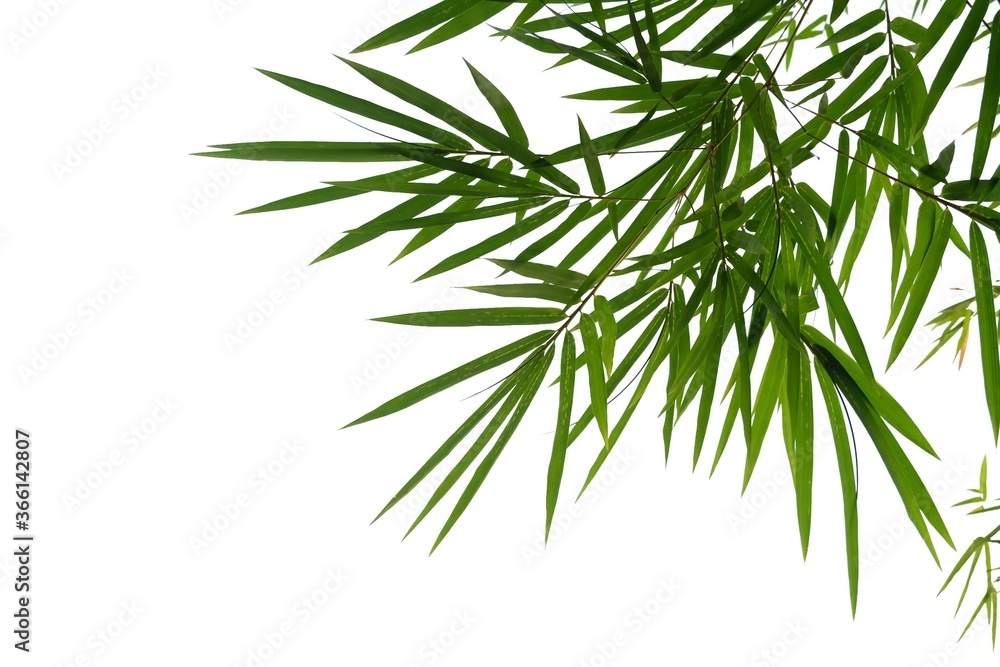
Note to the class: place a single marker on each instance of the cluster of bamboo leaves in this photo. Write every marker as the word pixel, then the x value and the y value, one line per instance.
pixel 636 285
pixel 980 549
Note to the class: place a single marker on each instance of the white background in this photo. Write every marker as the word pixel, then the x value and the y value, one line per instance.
pixel 678 569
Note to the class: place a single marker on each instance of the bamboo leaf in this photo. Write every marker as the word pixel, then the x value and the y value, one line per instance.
pixel 595 373
pixel 987 324
pixel 477 317
pixel 501 105
pixel 418 23
pixel 591 161
pixel 370 110
pixel 553 275
pixel 988 105
pixel 533 381
pixel 848 487
pixel 460 374
pixel 567 379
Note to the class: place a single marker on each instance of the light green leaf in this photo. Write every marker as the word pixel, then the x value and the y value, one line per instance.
pixel 567 379
pixel 595 373
pixel 477 317
pixel 460 374
pixel 987 324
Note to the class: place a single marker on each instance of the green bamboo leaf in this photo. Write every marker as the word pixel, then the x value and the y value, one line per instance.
pixel 328 193
pixel 929 268
pixel 842 64
pixel 987 324
pixel 590 160
pixel 471 18
pixel 447 218
pixel 418 23
pixel 781 322
pixel 410 208
pixel 453 441
pixel 501 105
pixel 982 479
pixel 460 374
pixel 370 110
pixel 926 216
pixel 802 475
pixel 531 7
pixel 986 190
pixel 567 379
pixel 500 239
pixel 529 291
pixel 428 234
pixel 595 59
pixel 908 29
pixel 743 15
pixel 716 330
pixel 317 151
pixel 974 551
pixel 983 603
pixel 649 68
pixel 950 11
pixel 956 54
pixel 553 275
pixel 834 298
pixel 888 407
pixel 605 317
pixel 520 379
pixel 484 191
pixel 695 248
pixel 595 373
pixel 848 69
pixel 463 122
pixel 764 404
pixel 477 317
pixel 606 42
pixel 533 381
pixel 849 491
pixel 915 496
pixel 476 169
pixel 597 6
pixel 856 28
pixel 743 363
pixel 656 358
pixel 938 170
pixel 988 105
